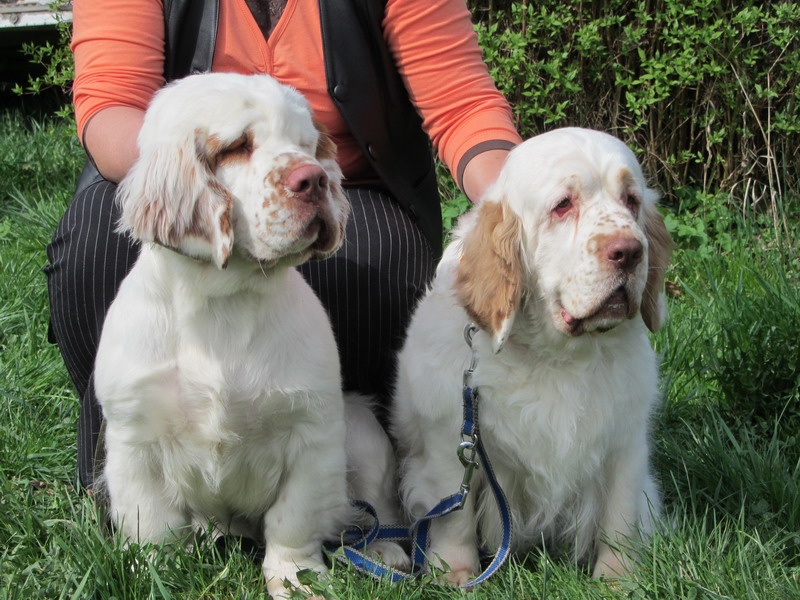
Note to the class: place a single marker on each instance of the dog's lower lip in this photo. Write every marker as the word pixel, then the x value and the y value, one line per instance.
pixel 616 301
pixel 613 310
pixel 568 318
pixel 319 229
pixel 573 324
pixel 616 305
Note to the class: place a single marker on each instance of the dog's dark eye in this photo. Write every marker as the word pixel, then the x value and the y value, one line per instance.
pixel 239 147
pixel 632 203
pixel 563 207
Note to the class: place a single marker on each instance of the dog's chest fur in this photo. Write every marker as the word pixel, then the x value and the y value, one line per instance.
pixel 550 438
pixel 219 402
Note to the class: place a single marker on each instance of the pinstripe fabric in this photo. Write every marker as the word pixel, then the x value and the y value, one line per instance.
pixel 369 287
pixel 87 262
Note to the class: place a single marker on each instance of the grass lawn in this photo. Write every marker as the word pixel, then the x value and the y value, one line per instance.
pixel 727 440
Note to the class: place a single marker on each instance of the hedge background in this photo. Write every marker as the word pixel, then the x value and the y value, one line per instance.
pixel 708 90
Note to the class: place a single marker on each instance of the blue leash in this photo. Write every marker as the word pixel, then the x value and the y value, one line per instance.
pixel 472 455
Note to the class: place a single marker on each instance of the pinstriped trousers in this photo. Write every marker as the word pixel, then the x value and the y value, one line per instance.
pixel 369 288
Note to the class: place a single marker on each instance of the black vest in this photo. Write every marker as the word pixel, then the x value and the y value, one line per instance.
pixel 363 83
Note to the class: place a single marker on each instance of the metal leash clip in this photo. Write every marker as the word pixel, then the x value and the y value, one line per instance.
pixel 468 447
pixel 469 332
pixel 466 454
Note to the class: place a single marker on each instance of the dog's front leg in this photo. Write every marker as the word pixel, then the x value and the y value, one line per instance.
pixel 372 475
pixel 140 509
pixel 454 545
pixel 311 506
pixel 632 502
pixel 432 472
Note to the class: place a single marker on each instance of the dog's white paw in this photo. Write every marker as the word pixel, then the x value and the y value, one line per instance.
pixel 277 589
pixel 391 554
pixel 280 587
pixel 458 577
pixel 611 564
pixel 455 565
pixel 279 572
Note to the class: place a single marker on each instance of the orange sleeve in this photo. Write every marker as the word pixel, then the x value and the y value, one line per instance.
pixel 438 56
pixel 119 54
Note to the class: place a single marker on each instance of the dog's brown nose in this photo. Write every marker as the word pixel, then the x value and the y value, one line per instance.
pixel 625 252
pixel 306 182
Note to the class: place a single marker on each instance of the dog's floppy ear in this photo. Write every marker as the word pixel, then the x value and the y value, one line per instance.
pixel 654 306
pixel 172 197
pixel 489 276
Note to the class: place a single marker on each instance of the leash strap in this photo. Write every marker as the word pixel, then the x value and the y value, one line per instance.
pixel 472 455
pixel 352 550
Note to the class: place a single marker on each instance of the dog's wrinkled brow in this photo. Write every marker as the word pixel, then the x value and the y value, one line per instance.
pixel 626 178
pixel 218 151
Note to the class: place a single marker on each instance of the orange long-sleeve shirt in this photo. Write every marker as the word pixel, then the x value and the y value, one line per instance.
pixel 119 59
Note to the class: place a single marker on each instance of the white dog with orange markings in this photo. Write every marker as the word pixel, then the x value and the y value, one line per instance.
pixel 561 266
pixel 217 370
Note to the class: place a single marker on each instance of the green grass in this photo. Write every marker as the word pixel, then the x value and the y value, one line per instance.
pixel 726 440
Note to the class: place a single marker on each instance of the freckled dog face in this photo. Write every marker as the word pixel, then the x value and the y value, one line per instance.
pixel 243 169
pixel 283 175
pixel 591 247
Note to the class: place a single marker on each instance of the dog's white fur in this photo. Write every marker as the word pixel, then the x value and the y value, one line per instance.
pixel 217 370
pixel 562 266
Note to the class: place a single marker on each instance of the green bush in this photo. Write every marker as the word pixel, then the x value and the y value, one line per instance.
pixel 707 89
pixel 56 59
